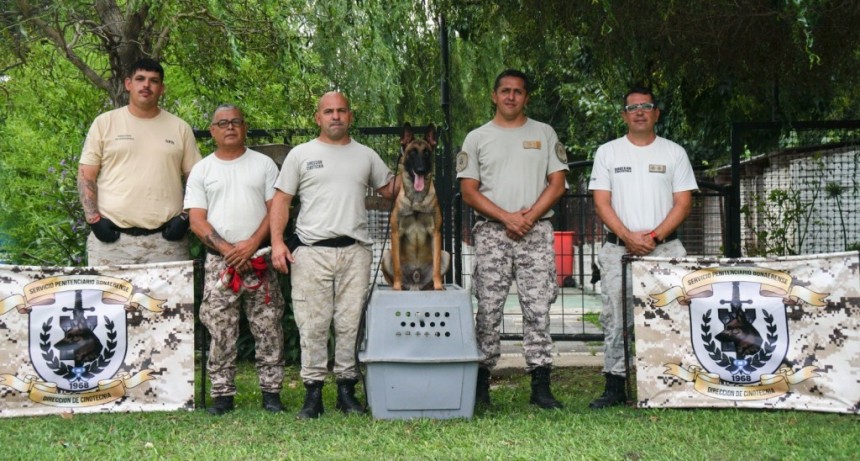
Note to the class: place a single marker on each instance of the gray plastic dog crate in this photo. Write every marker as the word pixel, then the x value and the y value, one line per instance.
pixel 421 354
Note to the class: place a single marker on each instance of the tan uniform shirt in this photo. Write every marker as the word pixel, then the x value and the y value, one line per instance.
pixel 142 162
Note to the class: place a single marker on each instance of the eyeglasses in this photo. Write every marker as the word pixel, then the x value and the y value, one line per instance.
pixel 236 122
pixel 645 106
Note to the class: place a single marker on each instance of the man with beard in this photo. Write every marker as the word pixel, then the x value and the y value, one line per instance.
pixel 131 176
pixel 330 267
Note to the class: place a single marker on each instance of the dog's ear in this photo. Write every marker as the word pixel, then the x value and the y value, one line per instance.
pixel 407 136
pixel 430 135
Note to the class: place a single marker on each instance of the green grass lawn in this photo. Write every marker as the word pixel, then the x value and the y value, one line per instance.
pixel 512 429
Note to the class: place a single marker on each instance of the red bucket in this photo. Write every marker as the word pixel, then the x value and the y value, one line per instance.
pixel 563 246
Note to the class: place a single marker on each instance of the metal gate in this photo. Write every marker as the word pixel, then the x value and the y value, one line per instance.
pixel 579 235
pixel 578 232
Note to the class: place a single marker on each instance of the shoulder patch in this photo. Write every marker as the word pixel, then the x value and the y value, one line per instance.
pixel 561 152
pixel 462 161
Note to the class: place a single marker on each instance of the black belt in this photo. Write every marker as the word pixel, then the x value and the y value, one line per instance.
pixel 613 239
pixel 337 242
pixel 139 231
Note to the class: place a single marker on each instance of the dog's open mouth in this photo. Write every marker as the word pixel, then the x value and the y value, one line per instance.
pixel 418 182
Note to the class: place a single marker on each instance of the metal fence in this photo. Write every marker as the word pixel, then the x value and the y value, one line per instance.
pixel 780 199
pixel 579 234
pixel 384 140
pixel 795 188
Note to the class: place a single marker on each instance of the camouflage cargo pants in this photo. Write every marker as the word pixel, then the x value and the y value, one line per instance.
pixel 329 288
pixel 219 312
pixel 611 318
pixel 531 261
pixel 131 249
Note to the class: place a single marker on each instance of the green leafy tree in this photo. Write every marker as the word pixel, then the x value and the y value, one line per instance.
pixel 100 38
pixel 40 213
pixel 274 58
pixel 711 62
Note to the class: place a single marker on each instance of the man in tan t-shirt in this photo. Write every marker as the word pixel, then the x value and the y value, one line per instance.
pixel 131 177
pixel 330 268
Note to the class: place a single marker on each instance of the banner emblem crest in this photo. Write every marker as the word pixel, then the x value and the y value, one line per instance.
pixel 78 340
pixel 739 334
pixel 739 331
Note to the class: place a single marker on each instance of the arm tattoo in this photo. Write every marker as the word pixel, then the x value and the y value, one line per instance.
pixel 214 239
pixel 88 193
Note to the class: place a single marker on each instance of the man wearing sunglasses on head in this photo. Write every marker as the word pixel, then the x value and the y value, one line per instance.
pixel 642 187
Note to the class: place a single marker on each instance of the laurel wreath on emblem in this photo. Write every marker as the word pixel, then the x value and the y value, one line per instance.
pixel 757 361
pixel 90 369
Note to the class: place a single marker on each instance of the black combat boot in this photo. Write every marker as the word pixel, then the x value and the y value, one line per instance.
pixel 541 394
pixel 482 387
pixel 272 402
pixel 313 406
pixel 220 405
pixel 346 401
pixel 614 394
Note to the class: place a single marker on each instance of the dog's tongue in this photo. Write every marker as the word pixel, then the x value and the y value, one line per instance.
pixel 419 183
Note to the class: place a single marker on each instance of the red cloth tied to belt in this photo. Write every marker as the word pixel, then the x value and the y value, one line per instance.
pixel 235 280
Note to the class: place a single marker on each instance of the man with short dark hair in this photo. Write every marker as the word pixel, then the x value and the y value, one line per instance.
pixel 512 171
pixel 130 178
pixel 642 186
pixel 229 194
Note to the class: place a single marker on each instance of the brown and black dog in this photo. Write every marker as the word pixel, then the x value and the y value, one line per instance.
pixel 416 260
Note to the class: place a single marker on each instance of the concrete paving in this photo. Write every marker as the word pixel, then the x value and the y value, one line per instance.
pixel 568 315
pixel 568 354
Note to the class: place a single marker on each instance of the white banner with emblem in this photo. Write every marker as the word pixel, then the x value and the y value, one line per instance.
pixel 753 333
pixel 104 339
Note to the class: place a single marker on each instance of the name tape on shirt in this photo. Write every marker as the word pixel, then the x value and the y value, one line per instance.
pixel 531 144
